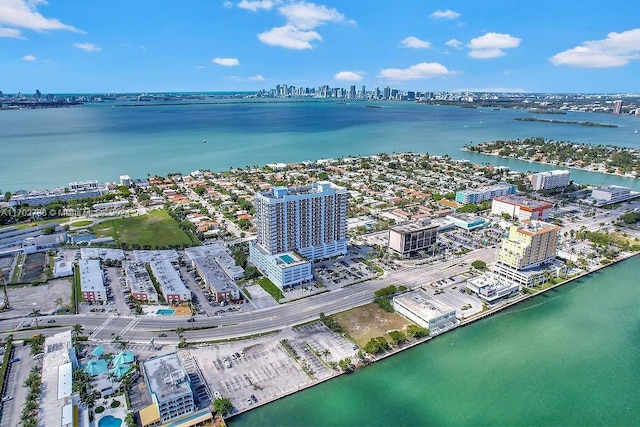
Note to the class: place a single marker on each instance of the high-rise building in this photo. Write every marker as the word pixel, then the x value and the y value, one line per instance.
pixel 617 106
pixel 549 180
pixel 363 92
pixel 386 93
pixel 529 245
pixel 297 225
pixel 352 92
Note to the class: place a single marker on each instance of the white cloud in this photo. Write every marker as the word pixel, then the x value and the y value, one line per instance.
pixel 256 78
pixel 456 44
pixel 24 14
pixel 29 58
pixel 486 53
pixel 289 37
pixel 227 4
pixel 415 43
pixel 616 50
pixel 226 62
pixel 445 14
pixel 136 46
pixel 348 76
pixel 307 16
pixel 424 70
pixel 10 32
pixel 200 67
pixel 490 45
pixel 255 5
pixel 88 47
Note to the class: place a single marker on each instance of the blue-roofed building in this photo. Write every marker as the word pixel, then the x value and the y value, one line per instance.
pixel 479 195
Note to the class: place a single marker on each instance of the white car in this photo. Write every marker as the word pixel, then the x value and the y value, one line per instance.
pixel 217 395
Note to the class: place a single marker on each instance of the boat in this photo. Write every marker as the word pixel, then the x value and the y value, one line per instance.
pixel 635 131
pixel 204 141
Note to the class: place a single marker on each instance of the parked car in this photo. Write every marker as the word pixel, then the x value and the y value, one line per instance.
pixel 51 321
pixel 162 335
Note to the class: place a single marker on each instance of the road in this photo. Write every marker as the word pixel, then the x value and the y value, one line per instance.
pixel 142 329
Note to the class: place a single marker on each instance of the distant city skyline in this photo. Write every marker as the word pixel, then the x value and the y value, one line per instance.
pixel 88 46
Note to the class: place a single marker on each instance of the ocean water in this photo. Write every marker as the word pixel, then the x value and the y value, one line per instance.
pixel 51 147
pixel 568 357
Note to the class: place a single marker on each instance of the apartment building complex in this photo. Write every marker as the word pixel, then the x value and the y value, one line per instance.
pixel 549 180
pixel 479 195
pixel 521 208
pixel 297 225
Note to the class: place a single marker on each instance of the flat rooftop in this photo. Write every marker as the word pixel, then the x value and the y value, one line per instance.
pixel 422 304
pixel 91 279
pixel 166 377
pixel 138 278
pixel 220 256
pixel 168 278
pixel 523 202
pixel 414 227
pixel 102 253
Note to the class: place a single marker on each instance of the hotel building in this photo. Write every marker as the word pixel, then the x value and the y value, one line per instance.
pixel 549 180
pixel 297 225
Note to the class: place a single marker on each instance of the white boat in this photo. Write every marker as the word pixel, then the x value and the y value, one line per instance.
pixel 204 141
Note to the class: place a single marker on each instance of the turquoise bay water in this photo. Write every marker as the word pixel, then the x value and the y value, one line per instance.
pixel 51 147
pixel 568 357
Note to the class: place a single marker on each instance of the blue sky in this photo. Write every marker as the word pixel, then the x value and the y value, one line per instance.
pixel 72 46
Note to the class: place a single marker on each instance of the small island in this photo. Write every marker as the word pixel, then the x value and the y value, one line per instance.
pixel 564 122
pixel 596 158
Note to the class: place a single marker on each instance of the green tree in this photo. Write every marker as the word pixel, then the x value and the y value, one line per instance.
pixel 398 337
pixel 7 196
pixel 479 265
pixel 222 406
pixel 415 331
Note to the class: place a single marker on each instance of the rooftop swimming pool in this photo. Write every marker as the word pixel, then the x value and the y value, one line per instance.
pixel 165 312
pixel 287 258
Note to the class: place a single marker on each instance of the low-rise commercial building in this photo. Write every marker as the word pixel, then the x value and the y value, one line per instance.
pixel 139 282
pixel 466 221
pixel 285 269
pixel 91 281
pixel 491 287
pixel 521 208
pixel 426 311
pixel 408 239
pixel 171 285
pixel 611 194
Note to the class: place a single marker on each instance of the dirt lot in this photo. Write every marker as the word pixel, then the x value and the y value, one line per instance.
pixel 47 297
pixel 33 268
pixel 369 321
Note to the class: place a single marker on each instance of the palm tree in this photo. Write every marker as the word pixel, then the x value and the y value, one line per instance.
pixel 179 331
pixel 77 329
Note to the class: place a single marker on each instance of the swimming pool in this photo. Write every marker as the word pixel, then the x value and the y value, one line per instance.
pixel 165 312
pixel 109 421
pixel 287 258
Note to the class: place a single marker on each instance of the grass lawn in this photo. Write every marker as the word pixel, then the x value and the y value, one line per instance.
pixel 271 289
pixel 83 223
pixel 15 276
pixel 156 228
pixel 369 321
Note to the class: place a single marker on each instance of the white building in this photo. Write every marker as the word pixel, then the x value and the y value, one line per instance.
pixel 91 281
pixel 423 309
pixel 549 180
pixel 139 281
pixel 491 287
pixel 169 385
pixel 125 180
pixel 611 194
pixel 521 208
pixel 296 225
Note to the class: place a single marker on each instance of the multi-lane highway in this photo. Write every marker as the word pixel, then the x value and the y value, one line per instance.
pixel 142 329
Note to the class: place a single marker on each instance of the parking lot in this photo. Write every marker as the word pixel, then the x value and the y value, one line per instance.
pixel 46 297
pixel 259 370
pixel 15 394
pixel 335 274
